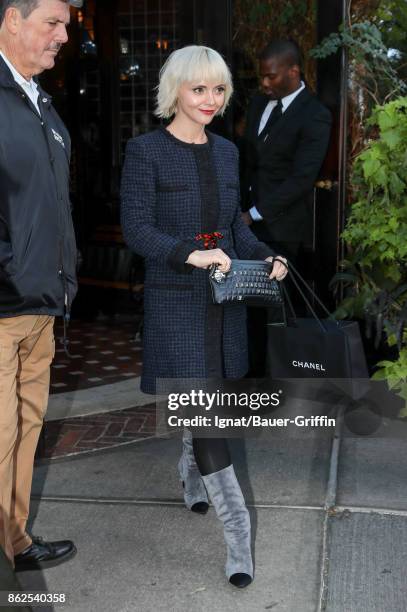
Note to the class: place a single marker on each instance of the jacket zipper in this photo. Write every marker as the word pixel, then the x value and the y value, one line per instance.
pixel 66 308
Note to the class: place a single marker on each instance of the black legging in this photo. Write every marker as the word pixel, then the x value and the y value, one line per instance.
pixel 211 454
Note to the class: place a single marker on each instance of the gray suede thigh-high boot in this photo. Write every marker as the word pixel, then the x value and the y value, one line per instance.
pixel 195 496
pixel 227 498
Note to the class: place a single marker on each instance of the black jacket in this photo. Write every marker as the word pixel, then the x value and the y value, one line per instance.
pixel 37 240
pixel 281 170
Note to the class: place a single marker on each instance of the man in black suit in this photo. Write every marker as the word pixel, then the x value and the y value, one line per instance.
pixel 286 139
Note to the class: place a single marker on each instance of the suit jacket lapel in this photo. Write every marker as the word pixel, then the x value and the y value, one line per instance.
pixel 294 108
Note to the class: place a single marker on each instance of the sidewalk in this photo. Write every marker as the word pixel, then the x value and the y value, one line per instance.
pixel 320 543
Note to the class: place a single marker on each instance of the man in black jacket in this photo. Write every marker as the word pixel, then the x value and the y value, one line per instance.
pixel 37 258
pixel 285 142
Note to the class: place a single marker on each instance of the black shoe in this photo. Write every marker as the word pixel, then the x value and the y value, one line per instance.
pixel 41 554
pixel 200 507
pixel 240 581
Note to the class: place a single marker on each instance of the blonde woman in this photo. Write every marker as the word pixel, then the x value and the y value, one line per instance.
pixel 180 211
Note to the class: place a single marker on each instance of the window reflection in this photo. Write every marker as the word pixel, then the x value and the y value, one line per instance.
pixel 148 32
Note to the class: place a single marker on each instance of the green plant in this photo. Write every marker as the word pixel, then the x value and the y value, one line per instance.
pixel 374 274
pixel 377 224
pixel 375 271
pixel 373 74
pixel 395 374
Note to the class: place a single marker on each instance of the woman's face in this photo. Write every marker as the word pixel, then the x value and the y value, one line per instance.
pixel 200 101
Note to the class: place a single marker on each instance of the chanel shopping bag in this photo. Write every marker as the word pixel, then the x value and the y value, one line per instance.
pixel 317 348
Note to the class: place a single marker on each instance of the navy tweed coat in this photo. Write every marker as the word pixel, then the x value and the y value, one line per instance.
pixel 161 214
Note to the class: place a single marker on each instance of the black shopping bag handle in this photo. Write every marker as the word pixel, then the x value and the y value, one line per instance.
pixel 295 277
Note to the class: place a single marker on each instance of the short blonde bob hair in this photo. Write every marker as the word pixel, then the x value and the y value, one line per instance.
pixel 190 64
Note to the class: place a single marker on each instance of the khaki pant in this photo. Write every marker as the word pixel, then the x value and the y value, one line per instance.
pixel 26 352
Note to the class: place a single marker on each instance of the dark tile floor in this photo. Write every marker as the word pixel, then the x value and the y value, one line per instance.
pixel 102 352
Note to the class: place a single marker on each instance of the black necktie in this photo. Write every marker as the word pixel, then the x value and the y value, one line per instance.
pixel 275 115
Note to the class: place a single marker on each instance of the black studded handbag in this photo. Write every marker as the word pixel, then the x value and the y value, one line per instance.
pixel 247 282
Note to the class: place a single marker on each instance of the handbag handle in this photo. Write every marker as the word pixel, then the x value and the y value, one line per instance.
pixel 293 274
pixel 287 298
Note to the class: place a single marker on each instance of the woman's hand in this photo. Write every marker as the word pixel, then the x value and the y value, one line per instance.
pixel 279 270
pixel 204 259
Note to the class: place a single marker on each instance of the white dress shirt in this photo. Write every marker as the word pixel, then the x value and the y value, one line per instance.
pixel 254 213
pixel 30 87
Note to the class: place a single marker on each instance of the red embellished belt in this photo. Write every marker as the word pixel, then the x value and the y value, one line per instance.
pixel 210 240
